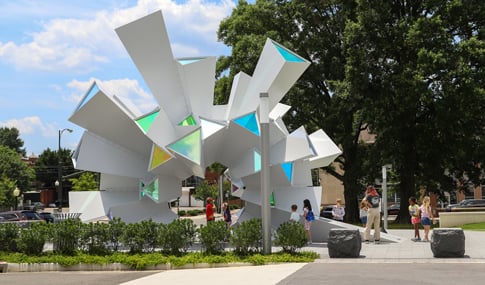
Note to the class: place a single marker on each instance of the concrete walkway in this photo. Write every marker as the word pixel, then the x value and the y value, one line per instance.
pixel 407 252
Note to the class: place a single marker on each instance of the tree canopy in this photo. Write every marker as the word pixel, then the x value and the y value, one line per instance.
pixel 10 137
pixel 46 166
pixel 410 72
pixel 13 173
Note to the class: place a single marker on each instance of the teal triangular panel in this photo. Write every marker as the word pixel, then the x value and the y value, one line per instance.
pixel 189 146
pixel 257 161
pixel 248 122
pixel 288 55
pixel 288 169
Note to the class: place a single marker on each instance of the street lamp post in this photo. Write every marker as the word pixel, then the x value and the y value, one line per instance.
pixel 59 169
pixel 16 194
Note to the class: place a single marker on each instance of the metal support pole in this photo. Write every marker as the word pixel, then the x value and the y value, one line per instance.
pixel 265 172
pixel 59 169
pixel 384 195
pixel 59 172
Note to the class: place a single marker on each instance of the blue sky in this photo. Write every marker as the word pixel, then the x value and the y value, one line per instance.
pixel 52 50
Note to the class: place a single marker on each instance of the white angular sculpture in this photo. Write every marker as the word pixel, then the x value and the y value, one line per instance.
pixel 143 159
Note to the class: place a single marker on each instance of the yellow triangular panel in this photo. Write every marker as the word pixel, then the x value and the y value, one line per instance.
pixel 159 156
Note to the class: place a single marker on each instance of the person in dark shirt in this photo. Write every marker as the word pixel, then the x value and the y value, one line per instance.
pixel 373 214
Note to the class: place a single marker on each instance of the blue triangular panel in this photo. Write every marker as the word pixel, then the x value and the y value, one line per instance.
pixel 248 122
pixel 288 169
pixel 288 55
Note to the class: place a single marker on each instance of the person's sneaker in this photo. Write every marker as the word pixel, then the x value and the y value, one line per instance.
pixel 366 241
pixel 377 241
pixel 416 239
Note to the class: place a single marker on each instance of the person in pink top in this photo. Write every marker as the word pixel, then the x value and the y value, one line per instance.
pixel 426 216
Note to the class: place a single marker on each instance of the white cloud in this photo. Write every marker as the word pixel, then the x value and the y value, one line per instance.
pixel 80 45
pixel 31 125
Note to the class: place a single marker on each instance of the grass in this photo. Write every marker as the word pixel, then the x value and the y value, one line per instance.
pixel 474 227
pixel 141 261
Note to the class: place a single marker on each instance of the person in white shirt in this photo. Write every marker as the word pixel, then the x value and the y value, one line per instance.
pixel 294 217
pixel 338 211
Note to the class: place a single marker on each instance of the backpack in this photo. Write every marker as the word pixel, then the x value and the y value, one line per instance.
pixel 309 216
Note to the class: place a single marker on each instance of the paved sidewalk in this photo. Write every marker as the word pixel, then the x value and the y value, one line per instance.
pixel 406 251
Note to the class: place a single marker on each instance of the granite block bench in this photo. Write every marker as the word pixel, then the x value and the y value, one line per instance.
pixel 3 266
pixel 344 243
pixel 448 242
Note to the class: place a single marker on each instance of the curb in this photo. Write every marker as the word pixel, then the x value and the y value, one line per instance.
pixel 46 267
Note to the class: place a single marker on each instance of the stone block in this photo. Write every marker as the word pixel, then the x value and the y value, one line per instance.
pixel 344 243
pixel 3 266
pixel 448 242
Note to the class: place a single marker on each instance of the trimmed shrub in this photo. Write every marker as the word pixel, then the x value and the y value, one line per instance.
pixel 247 237
pixel 115 233
pixel 141 237
pixel 176 237
pixel 94 237
pixel 31 241
pixel 212 236
pixel 182 213
pixel 291 236
pixel 65 236
pixel 9 232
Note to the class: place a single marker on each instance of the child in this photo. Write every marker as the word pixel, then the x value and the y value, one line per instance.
pixel 227 214
pixel 415 220
pixel 294 217
pixel 426 216
pixel 338 211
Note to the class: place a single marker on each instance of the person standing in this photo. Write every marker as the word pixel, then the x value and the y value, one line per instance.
pixel 426 216
pixel 294 217
pixel 210 210
pixel 338 211
pixel 373 214
pixel 227 214
pixel 363 212
pixel 415 219
pixel 309 217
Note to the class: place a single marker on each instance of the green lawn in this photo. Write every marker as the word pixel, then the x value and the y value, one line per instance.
pixel 474 227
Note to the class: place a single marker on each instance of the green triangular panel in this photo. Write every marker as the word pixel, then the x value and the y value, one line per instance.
pixel 257 161
pixel 288 169
pixel 152 190
pixel 189 146
pixel 288 55
pixel 189 121
pixel 248 122
pixel 146 121
pixel 159 156
pixel 90 94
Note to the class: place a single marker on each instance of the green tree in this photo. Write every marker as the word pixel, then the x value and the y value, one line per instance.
pixel 10 137
pixel 314 30
pixel 204 190
pixel 419 67
pixel 46 166
pixel 87 181
pixel 13 173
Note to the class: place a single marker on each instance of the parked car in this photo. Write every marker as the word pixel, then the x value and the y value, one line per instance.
pixel 20 215
pixel 46 216
pixel 394 209
pixel 468 203
pixel 35 206
pixel 326 212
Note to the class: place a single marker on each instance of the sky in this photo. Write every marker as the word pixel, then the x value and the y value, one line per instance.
pixel 52 50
